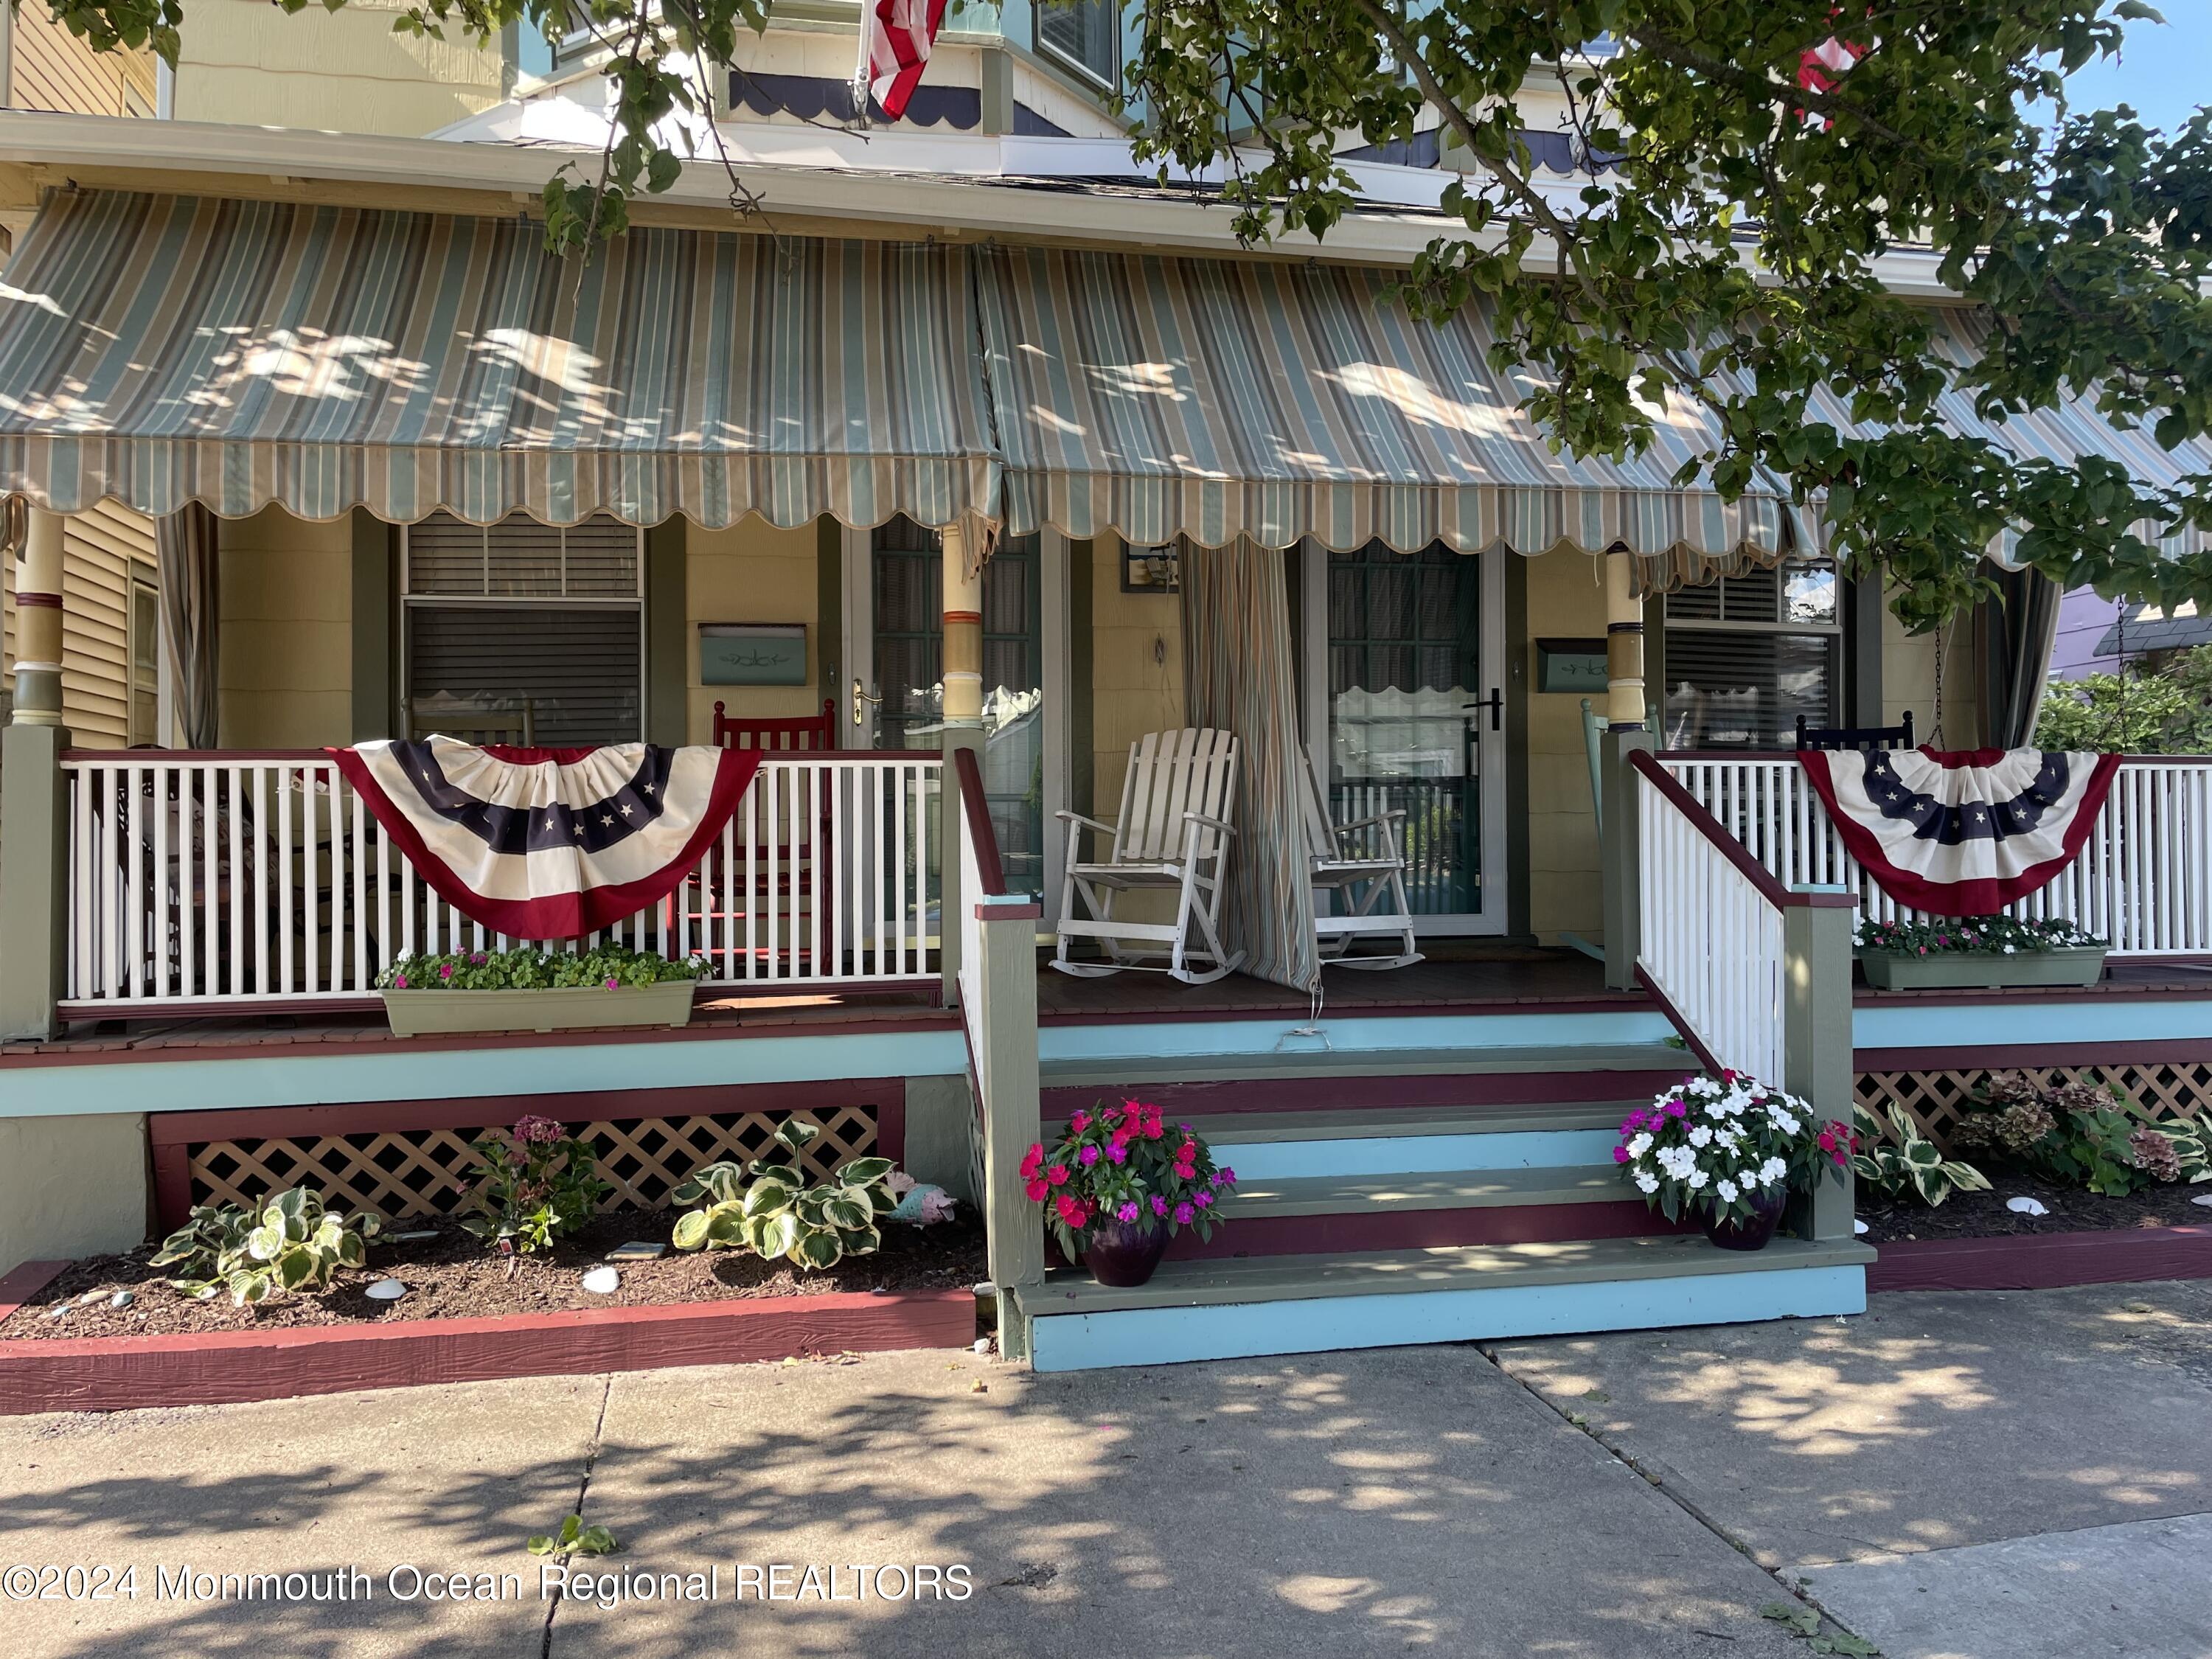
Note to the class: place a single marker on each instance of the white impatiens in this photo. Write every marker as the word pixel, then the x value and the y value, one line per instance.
pixel 1727 1148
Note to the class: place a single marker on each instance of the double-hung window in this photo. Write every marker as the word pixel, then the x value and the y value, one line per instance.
pixel 523 613
pixel 1086 33
pixel 1744 656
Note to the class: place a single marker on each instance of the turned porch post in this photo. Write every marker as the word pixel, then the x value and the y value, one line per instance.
pixel 962 717
pixel 34 876
pixel 1625 732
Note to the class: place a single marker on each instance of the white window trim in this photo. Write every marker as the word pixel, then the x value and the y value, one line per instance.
pixel 1060 57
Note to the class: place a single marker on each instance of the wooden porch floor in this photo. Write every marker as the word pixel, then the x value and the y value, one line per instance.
pixel 1494 978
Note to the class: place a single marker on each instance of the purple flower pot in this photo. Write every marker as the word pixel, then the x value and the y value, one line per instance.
pixel 1122 1254
pixel 1751 1232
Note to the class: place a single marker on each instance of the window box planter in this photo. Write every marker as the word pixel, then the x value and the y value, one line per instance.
pixel 1952 970
pixel 563 1008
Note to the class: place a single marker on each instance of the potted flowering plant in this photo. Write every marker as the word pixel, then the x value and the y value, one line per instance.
pixel 1731 1149
pixel 1976 952
pixel 534 990
pixel 1119 1183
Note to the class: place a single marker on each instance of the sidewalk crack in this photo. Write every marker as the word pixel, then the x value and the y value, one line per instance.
pixel 583 1488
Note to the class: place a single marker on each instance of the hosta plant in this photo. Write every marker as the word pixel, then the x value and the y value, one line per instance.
pixel 1723 1147
pixel 288 1242
pixel 1911 1162
pixel 540 1184
pixel 767 1206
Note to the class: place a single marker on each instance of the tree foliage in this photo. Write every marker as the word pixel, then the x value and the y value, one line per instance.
pixel 1732 255
pixel 2163 708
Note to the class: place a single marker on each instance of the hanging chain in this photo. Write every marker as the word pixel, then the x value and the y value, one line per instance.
pixel 1942 642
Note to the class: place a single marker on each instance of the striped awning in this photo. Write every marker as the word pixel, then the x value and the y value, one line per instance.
pixel 1160 396
pixel 165 350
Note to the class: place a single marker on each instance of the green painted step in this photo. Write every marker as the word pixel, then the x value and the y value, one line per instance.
pixel 1127 1073
pixel 1236 1280
pixel 1248 1129
pixel 1466 1189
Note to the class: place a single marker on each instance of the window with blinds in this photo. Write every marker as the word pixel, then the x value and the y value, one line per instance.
pixel 1085 33
pixel 1745 655
pixel 525 616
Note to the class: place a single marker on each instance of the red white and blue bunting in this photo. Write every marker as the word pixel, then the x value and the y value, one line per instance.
pixel 1961 833
pixel 549 843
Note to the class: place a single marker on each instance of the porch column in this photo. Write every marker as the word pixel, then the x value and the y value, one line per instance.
pixel 962 718
pixel 1626 732
pixel 34 876
pixel 1817 1062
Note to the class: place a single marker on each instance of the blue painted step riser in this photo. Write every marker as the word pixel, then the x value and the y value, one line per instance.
pixel 1389 1155
pixel 1164 1336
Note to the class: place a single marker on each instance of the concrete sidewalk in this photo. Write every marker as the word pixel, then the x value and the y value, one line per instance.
pixel 1980 1477
pixel 1344 1504
pixel 1975 1476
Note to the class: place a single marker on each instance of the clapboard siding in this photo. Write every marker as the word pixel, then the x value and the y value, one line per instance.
pixel 55 70
pixel 102 550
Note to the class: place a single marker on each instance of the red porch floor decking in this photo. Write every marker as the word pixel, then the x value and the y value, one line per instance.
pixel 1497 980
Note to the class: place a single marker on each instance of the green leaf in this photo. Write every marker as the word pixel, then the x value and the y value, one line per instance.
pixel 777 1234
pixel 797 1134
pixel 766 1198
pixel 862 1171
pixel 690 1231
pixel 817 1247
pixel 848 1212
pixel 725 1225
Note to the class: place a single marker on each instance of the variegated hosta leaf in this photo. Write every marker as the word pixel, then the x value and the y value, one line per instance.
pixel 1965 1177
pixel 767 1197
pixel 863 1241
pixel 777 1234
pixel 725 1225
pixel 296 1267
pixel 797 1134
pixel 862 1170
pixel 848 1212
pixel 690 1231
pixel 817 1247
pixel 1923 1155
pixel 267 1240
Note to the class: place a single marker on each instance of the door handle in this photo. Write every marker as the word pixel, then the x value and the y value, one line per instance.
pixel 861 715
pixel 1495 703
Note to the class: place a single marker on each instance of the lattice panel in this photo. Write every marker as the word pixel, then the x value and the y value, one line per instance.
pixel 413 1172
pixel 1937 1100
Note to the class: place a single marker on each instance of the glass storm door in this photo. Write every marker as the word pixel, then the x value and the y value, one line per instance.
pixel 1411 717
pixel 898 631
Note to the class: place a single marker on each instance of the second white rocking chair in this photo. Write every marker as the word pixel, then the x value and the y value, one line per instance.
pixel 1364 864
pixel 1177 804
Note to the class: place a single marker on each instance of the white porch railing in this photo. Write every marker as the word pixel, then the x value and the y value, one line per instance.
pixel 2143 881
pixel 259 877
pixel 1709 935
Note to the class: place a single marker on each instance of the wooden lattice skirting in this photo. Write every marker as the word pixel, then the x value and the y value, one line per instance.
pixel 1937 1100
pixel 411 1159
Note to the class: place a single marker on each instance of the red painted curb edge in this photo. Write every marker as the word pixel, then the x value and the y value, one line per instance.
pixel 2047 1261
pixel 119 1373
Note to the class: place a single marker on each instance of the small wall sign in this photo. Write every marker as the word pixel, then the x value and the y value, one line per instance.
pixel 752 653
pixel 1570 665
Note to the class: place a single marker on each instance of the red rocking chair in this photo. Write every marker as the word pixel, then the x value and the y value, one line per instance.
pixel 796 856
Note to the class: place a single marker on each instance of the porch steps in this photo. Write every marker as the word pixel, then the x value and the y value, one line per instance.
pixel 1422 1196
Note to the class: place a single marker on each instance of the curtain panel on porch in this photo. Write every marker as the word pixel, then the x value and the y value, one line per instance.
pixel 164 350
pixel 1239 677
pixel 185 553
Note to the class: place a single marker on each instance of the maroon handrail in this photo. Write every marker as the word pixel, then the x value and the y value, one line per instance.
pixel 976 808
pixel 157 757
pixel 1781 897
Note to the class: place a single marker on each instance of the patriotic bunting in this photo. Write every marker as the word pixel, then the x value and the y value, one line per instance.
pixel 1963 833
pixel 549 843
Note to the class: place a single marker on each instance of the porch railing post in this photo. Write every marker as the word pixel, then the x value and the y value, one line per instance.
pixel 1005 1026
pixel 950 897
pixel 1622 853
pixel 1817 1063
pixel 35 830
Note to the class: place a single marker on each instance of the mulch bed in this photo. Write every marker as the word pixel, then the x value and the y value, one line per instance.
pixel 453 1275
pixel 2072 1210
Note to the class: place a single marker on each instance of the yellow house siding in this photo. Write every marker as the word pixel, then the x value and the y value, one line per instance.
pixel 53 70
pixel 286 655
pixel 342 72
pixel 1908 681
pixel 1566 600
pixel 752 572
pixel 102 551
pixel 1136 671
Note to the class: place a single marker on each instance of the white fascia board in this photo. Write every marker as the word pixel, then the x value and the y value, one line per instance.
pixel 799 171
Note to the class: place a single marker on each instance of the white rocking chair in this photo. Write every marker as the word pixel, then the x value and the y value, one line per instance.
pixel 1363 865
pixel 1173 834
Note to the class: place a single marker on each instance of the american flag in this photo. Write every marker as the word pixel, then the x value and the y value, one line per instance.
pixel 895 50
